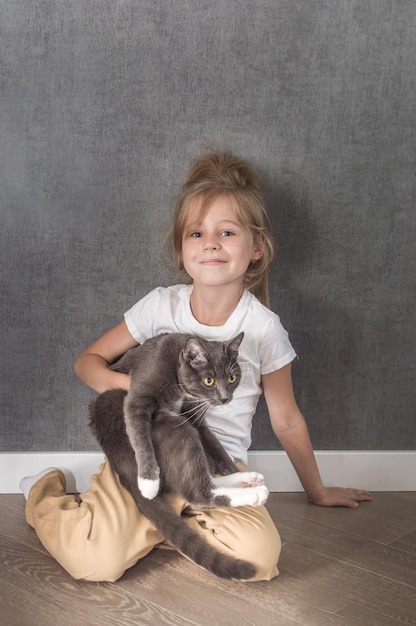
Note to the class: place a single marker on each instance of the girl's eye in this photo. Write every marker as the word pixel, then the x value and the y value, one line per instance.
pixel 196 234
pixel 208 381
pixel 226 233
pixel 232 379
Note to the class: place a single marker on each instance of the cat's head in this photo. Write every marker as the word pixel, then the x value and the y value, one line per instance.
pixel 209 370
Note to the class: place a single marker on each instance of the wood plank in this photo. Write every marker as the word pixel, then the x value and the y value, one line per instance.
pixel 14 525
pixel 387 518
pixel 21 606
pixel 333 581
pixel 362 616
pixel 41 577
pixel 407 542
pixel 265 602
pixel 386 560
pixel 167 575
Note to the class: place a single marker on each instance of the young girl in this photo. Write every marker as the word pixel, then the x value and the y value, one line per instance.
pixel 221 241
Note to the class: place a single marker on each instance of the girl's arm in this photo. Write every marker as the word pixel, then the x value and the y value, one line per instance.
pixel 290 428
pixel 92 365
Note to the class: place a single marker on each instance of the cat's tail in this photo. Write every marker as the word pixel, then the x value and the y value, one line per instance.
pixel 188 542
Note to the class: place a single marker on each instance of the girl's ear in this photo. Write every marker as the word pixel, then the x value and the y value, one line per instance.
pixel 258 249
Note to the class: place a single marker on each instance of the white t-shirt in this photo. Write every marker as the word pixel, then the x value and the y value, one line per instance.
pixel 264 349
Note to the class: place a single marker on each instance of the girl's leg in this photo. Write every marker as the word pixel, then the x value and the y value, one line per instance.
pixel 246 533
pixel 99 536
pixel 95 537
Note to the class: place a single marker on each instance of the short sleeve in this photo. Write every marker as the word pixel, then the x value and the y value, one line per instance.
pixel 276 351
pixel 140 318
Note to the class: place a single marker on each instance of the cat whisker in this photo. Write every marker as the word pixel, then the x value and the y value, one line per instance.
pixel 200 418
pixel 181 386
pixel 196 412
pixel 197 408
pixel 188 419
pixel 202 412
pixel 194 408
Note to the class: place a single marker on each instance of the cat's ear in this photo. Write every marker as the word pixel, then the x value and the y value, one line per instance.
pixel 234 344
pixel 194 352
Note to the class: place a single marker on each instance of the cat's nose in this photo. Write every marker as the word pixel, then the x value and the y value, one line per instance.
pixel 223 400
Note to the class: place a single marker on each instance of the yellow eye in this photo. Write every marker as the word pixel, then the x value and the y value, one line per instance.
pixel 232 379
pixel 208 381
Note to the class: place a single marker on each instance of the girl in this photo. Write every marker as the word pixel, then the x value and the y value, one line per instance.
pixel 221 241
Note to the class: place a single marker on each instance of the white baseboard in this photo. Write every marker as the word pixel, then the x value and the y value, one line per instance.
pixel 376 470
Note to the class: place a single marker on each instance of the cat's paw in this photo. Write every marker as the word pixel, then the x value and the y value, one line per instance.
pixel 262 494
pixel 148 488
pixel 239 479
pixel 251 479
pixel 256 496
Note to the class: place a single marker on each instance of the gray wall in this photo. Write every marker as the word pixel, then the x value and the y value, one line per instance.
pixel 103 105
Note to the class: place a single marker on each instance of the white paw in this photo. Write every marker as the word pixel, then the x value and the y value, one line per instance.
pixel 148 488
pixel 239 479
pixel 256 496
pixel 262 494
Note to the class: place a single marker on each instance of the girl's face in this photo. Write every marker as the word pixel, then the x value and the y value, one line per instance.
pixel 216 248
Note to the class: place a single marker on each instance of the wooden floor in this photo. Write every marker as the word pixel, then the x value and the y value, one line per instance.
pixel 338 567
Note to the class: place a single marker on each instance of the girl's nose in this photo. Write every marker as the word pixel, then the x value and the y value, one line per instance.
pixel 211 243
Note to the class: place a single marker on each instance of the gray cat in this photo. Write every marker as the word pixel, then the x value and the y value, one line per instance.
pixel 156 439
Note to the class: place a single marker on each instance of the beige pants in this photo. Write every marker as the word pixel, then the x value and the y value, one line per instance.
pixel 100 535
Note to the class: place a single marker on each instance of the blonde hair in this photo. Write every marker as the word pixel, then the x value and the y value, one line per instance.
pixel 217 174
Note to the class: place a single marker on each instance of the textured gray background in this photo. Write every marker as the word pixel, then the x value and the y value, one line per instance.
pixel 104 104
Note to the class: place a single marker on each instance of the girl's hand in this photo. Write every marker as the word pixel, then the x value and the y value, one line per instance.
pixel 339 496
